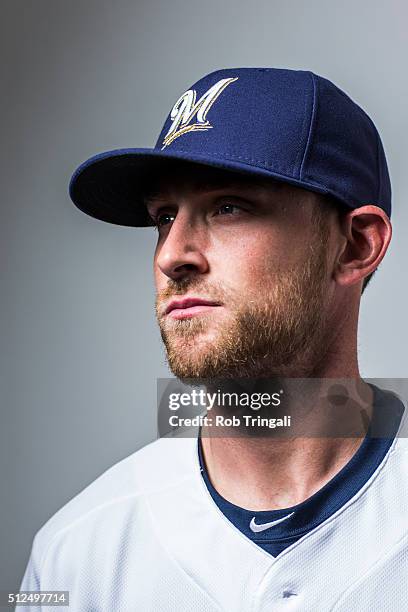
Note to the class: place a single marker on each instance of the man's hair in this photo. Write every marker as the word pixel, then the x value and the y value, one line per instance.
pixel 328 205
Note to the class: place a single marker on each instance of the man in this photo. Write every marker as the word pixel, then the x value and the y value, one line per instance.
pixel 271 197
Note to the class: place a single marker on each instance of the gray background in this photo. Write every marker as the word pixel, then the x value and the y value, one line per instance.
pixel 81 352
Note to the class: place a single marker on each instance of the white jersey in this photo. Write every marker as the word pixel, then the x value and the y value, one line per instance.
pixel 146 536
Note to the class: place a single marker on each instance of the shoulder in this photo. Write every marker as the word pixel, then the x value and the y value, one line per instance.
pixel 398 457
pixel 106 503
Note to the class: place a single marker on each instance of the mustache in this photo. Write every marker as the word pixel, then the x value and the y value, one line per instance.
pixel 182 287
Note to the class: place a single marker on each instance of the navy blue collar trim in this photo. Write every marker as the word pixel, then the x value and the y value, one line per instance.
pixel 387 408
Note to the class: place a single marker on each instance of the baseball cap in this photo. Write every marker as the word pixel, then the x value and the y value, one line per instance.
pixel 291 125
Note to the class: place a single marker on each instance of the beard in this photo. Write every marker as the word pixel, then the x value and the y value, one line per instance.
pixel 274 330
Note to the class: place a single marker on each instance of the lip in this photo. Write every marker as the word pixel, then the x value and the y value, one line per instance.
pixel 189 307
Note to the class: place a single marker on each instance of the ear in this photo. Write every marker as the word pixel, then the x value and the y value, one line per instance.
pixel 365 236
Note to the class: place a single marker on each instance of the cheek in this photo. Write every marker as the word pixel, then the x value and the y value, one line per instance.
pixel 248 259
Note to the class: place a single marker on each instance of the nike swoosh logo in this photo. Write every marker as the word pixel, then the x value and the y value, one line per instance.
pixel 257 528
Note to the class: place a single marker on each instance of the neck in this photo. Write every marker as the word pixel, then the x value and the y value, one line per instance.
pixel 267 473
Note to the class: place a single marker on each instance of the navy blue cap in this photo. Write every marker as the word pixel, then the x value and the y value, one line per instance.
pixel 291 125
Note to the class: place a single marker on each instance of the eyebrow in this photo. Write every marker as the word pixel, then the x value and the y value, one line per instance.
pixel 213 185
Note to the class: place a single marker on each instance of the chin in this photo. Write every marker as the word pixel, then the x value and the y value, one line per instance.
pixel 191 359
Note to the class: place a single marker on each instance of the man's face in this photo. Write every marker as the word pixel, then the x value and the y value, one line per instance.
pixel 254 253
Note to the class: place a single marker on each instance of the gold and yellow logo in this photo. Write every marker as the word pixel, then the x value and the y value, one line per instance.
pixel 186 108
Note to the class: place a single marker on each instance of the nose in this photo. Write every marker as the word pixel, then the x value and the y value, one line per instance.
pixel 182 251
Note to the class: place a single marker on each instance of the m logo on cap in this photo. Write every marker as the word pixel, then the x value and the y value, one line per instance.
pixel 186 108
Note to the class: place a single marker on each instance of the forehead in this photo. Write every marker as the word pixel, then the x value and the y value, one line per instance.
pixel 199 178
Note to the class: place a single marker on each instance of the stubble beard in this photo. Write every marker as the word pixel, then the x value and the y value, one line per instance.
pixel 277 331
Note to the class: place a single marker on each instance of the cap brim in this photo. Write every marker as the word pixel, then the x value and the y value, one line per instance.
pixel 110 186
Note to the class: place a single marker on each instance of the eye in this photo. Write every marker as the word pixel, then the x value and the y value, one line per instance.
pixel 229 208
pixel 162 219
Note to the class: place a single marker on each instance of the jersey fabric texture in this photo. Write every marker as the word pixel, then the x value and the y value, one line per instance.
pixel 296 521
pixel 147 536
